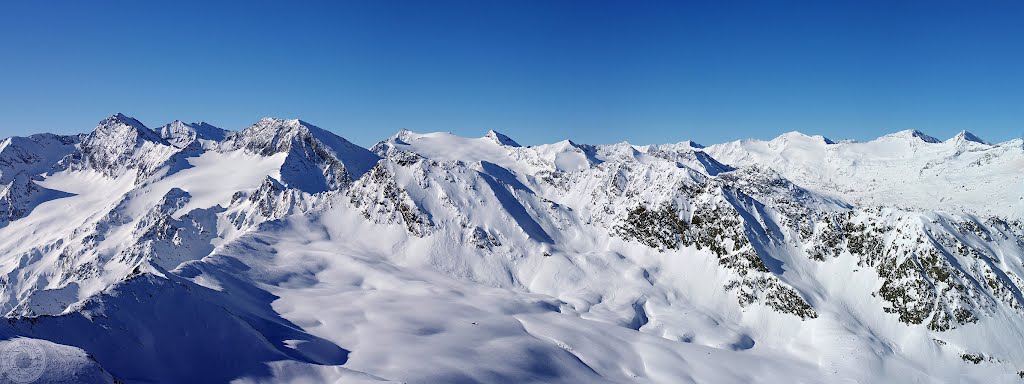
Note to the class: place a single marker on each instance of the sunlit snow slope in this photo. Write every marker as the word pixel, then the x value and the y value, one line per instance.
pixel 284 253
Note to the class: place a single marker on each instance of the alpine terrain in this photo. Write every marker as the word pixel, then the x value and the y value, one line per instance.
pixel 285 253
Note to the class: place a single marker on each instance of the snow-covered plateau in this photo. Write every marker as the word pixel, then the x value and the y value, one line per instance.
pixel 285 253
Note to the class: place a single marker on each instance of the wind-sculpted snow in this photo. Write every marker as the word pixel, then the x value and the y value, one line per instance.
pixel 284 253
pixel 47 362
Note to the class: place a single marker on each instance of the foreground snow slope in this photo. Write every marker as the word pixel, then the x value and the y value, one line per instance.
pixel 283 252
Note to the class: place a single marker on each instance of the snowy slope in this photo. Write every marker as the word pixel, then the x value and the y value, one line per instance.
pixel 32 155
pixel 22 160
pixel 284 253
pixel 906 169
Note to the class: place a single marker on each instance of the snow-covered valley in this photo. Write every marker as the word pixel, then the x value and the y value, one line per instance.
pixel 284 253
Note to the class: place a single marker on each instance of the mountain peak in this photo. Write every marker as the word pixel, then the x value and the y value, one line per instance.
pixel 792 136
pixel 120 118
pixel 275 132
pixel 402 135
pixel 500 139
pixel 336 159
pixel 965 136
pixel 276 123
pixel 269 119
pixel 595 250
pixel 914 134
pixel 181 134
pixel 119 143
pixel 124 118
pixel 119 127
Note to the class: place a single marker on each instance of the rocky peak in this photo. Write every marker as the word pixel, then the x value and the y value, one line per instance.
pixel 386 146
pixel 33 154
pixel 121 132
pixel 181 134
pixel 273 135
pixel 119 127
pixel 120 142
pixel 318 160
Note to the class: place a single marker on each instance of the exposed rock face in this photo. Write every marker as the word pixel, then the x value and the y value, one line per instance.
pixel 283 230
pixel 317 160
pixel 181 134
pixel 33 154
pixel 22 159
pixel 120 144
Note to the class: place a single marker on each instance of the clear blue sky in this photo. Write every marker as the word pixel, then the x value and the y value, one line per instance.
pixel 540 71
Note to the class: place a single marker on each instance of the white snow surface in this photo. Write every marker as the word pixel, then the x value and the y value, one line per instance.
pixel 907 169
pixel 284 253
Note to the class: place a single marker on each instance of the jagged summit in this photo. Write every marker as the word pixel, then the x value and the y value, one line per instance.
pixel 317 160
pixel 277 132
pixel 272 135
pixel 120 117
pixel 118 127
pixel 500 139
pixel 181 134
pixel 120 143
pixel 403 135
pixel 883 261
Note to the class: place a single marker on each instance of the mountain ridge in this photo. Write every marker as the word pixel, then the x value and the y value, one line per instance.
pixel 597 263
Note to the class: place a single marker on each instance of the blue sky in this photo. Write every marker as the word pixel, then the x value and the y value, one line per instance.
pixel 539 71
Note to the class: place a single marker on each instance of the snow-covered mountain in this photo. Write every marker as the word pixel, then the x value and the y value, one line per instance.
pixel 23 159
pixel 181 134
pixel 906 169
pixel 284 253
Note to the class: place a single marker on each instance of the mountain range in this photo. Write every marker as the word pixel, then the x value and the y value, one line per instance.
pixel 285 253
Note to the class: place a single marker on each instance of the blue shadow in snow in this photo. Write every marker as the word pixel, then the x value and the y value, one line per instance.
pixel 759 236
pixel 172 330
pixel 493 174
